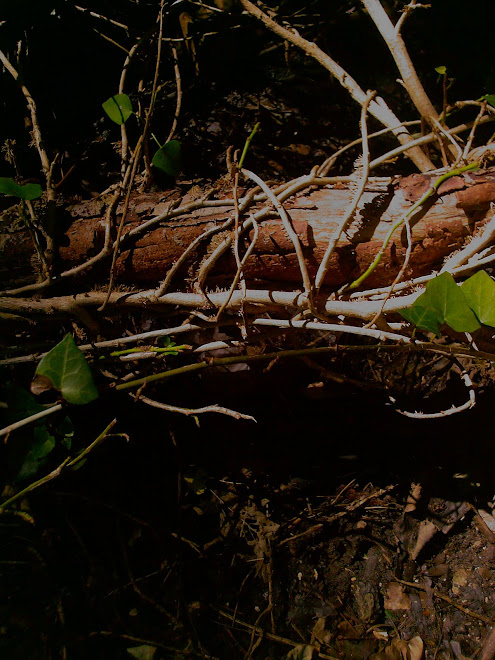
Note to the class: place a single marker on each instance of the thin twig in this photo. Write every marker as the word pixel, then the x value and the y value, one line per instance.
pixel 268 635
pixel 364 166
pixel 470 403
pixel 135 160
pixel 123 130
pixel 101 17
pixel 448 600
pixel 45 161
pixel 29 420
pixel 470 139
pixel 333 327
pixel 213 408
pixel 69 462
pixel 240 266
pixel 401 272
pixel 288 228
pixel 378 108
pixel 325 167
pixel 431 137
pixel 178 87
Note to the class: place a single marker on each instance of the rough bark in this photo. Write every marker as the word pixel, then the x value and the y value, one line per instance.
pixel 442 226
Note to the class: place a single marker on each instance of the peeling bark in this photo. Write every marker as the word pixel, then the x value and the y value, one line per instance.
pixel 441 227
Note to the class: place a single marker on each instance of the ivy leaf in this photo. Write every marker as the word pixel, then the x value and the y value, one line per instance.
pixel 26 192
pixel 68 372
pixel 442 302
pixel 41 445
pixel 449 301
pixel 422 317
pixel 144 652
pixel 479 291
pixel 490 98
pixel 168 158
pixel 20 404
pixel 118 108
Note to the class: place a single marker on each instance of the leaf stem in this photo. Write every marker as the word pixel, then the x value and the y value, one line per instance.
pixel 247 143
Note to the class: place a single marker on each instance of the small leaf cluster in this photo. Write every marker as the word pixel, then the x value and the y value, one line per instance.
pixel 26 192
pixel 464 308
pixel 168 157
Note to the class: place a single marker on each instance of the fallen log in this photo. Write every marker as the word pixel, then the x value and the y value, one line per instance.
pixel 440 227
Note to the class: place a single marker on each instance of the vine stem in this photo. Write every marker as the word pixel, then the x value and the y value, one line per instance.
pixel 69 462
pixel 237 359
pixel 431 191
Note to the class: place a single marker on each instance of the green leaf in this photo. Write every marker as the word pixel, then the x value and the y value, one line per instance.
pixel 42 444
pixel 490 98
pixel 479 291
pixel 442 302
pixel 144 652
pixel 449 299
pixel 118 108
pixel 20 404
pixel 442 70
pixel 26 192
pixel 68 372
pixel 422 317
pixel 27 446
pixel 168 158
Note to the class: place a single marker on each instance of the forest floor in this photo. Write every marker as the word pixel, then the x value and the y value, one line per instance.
pixel 333 527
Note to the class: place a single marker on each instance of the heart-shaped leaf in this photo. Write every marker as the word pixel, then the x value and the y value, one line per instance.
pixel 26 192
pixel 442 302
pixel 118 108
pixel 67 370
pixel 422 317
pixel 168 158
pixel 42 444
pixel 450 303
pixel 490 98
pixel 144 652
pixel 480 296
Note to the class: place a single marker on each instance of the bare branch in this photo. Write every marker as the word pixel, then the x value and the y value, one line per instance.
pixel 378 107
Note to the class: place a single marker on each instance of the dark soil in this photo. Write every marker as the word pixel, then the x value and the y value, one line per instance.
pixel 333 527
pixel 237 539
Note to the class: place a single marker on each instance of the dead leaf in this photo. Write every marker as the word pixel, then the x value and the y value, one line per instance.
pixel 399 649
pixel 426 531
pixel 40 384
pixel 395 598
pixel 416 648
pixel 318 633
pixel 413 498
pixel 301 652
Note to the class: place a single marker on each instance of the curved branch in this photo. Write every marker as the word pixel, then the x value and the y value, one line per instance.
pixel 399 52
pixel 378 108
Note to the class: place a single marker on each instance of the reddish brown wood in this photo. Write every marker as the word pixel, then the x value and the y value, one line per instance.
pixel 441 227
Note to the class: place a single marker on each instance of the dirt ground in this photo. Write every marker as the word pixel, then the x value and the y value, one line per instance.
pixel 332 528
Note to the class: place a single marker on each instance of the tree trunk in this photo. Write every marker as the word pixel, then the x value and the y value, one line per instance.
pixel 440 227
